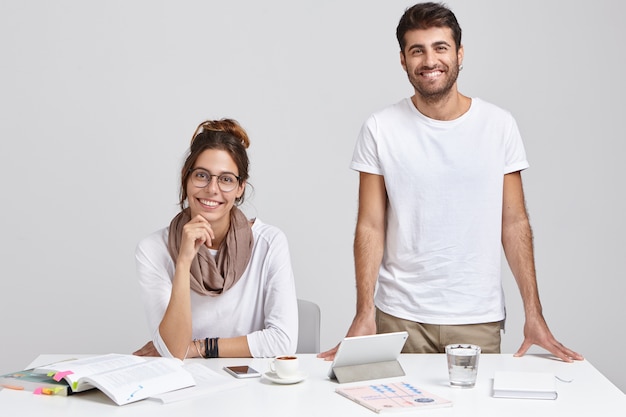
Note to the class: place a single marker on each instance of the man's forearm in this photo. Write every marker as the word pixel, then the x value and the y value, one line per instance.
pixel 518 248
pixel 368 254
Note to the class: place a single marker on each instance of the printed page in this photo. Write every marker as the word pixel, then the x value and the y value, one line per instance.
pixel 73 371
pixel 142 380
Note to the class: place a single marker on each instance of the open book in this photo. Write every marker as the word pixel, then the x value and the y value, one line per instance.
pixel 123 378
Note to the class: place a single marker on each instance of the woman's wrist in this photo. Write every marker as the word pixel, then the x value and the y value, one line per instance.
pixel 183 264
pixel 196 347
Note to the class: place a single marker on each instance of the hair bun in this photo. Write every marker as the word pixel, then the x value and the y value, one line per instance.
pixel 230 126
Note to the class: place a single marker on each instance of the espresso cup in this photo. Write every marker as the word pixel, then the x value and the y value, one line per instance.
pixel 286 366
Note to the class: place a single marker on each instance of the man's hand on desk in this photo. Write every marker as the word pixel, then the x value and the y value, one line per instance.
pixel 536 332
pixel 147 350
pixel 360 327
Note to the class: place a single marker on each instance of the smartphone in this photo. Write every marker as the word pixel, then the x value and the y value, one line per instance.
pixel 242 371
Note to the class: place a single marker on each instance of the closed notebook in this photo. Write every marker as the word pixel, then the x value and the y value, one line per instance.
pixel 530 385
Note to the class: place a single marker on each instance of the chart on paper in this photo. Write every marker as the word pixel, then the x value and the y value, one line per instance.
pixel 382 397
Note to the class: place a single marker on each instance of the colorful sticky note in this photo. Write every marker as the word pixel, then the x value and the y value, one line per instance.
pixel 60 375
pixel 38 391
pixel 15 387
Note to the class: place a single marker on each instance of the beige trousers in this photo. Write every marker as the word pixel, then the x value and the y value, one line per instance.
pixel 433 338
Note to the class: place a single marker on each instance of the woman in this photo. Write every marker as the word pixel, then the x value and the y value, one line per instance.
pixel 213 283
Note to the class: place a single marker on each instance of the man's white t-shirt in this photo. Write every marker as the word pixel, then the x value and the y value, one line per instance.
pixel 444 180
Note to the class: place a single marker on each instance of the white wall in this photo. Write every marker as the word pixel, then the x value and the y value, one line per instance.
pixel 98 101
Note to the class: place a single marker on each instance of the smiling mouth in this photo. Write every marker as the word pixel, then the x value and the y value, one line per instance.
pixel 431 74
pixel 208 203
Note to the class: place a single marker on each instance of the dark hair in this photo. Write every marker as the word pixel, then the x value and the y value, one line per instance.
pixel 425 16
pixel 226 135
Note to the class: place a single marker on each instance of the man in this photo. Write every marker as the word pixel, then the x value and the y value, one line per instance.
pixel 440 190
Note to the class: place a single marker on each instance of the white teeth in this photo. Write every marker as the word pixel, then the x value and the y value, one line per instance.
pixel 209 203
pixel 432 74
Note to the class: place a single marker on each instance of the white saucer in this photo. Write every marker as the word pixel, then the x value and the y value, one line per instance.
pixel 293 380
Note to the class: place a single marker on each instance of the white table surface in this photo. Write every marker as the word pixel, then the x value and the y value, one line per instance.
pixel 588 394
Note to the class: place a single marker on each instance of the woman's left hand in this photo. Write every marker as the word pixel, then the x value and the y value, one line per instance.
pixel 147 350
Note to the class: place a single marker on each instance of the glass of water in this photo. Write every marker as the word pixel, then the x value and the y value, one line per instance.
pixel 462 364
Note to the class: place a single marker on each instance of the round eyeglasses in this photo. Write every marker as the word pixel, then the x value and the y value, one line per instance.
pixel 201 178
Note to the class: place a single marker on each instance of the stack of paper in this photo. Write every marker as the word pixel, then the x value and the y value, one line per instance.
pixel 207 382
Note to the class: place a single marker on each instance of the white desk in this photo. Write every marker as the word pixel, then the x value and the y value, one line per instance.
pixel 589 393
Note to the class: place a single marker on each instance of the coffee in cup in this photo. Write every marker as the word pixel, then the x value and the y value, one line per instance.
pixel 286 366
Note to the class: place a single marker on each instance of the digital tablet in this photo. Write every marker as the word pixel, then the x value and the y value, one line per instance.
pixel 360 350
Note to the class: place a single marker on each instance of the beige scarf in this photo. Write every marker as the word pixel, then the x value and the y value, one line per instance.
pixel 211 276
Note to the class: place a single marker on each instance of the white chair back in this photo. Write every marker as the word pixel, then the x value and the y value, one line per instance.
pixel 309 318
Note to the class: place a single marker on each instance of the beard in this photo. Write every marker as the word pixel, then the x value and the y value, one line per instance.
pixel 434 92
